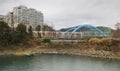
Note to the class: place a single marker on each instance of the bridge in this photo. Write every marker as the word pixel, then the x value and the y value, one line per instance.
pixel 76 32
pixel 86 28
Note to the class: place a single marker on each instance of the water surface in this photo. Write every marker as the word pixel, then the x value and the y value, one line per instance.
pixel 57 63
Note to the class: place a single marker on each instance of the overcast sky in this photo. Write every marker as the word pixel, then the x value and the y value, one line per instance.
pixel 68 13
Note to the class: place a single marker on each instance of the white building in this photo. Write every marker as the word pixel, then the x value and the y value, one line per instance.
pixel 27 16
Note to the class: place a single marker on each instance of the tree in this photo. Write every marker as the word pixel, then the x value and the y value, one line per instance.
pixel 105 30
pixel 20 34
pixel 117 26
pixel 21 28
pixel 3 27
pixel 5 35
pixel 47 28
pixel 118 30
pixel 116 33
pixel 30 31
pixel 38 28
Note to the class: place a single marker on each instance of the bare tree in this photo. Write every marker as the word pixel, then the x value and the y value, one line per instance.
pixel 117 26
pixel 116 33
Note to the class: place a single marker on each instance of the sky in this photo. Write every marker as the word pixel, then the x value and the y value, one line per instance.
pixel 68 13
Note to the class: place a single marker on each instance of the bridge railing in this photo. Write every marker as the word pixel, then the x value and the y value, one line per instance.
pixel 64 35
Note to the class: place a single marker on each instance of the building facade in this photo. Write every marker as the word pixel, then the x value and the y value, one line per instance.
pixel 27 16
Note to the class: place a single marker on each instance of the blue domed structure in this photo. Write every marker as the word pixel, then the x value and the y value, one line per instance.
pixel 86 28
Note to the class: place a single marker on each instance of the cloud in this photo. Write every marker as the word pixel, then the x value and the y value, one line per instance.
pixel 67 13
pixel 7 5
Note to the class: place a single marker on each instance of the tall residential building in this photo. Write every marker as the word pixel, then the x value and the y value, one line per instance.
pixel 27 16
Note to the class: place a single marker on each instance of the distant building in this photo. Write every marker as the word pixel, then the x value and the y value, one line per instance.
pixel 1 17
pixel 27 16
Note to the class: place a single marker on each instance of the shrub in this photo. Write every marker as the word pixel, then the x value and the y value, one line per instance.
pixel 105 41
pixel 46 40
pixel 101 44
pixel 115 42
pixel 115 45
pixel 94 41
pixel 39 35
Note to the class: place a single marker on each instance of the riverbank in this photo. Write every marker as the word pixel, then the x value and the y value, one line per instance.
pixel 72 51
pixel 81 48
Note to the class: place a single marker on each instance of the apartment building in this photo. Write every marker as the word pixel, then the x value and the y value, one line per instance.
pixel 27 16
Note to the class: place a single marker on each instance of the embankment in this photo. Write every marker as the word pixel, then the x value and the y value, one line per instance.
pixel 81 48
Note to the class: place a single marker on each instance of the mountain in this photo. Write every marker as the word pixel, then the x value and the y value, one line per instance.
pixel 106 30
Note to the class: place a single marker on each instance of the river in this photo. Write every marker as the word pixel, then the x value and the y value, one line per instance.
pixel 57 63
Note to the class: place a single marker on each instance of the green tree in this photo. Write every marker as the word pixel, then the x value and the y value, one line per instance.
pixel 5 35
pixel 47 28
pixel 21 28
pixel 20 35
pixel 3 27
pixel 106 30
pixel 38 28
pixel 30 31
